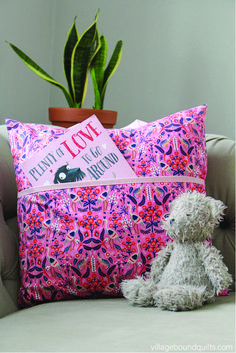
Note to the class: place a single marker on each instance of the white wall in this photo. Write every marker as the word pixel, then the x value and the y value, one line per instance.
pixel 177 54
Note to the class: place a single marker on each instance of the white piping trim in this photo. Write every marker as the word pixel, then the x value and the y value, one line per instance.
pixel 155 179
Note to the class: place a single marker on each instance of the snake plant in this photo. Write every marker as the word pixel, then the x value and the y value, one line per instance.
pixel 82 54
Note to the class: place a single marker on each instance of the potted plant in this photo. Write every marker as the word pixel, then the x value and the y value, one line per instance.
pixel 82 54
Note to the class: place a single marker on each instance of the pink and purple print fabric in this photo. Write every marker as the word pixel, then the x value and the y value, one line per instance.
pixel 83 240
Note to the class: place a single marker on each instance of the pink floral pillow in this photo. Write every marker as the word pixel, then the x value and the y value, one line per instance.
pixel 83 240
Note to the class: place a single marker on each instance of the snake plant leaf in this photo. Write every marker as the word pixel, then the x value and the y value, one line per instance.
pixel 82 56
pixel 96 16
pixel 97 96
pixel 40 72
pixel 72 39
pixel 97 71
pixel 111 67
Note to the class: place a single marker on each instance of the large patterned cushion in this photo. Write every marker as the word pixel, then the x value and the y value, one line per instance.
pixel 83 239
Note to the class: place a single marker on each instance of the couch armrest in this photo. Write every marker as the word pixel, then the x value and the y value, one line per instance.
pixel 220 184
pixel 9 271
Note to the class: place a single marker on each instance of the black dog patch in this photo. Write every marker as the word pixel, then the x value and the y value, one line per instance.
pixel 65 174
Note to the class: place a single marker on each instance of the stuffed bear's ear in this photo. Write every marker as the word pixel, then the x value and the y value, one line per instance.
pixel 217 209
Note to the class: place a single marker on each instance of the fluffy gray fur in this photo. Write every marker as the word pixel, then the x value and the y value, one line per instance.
pixel 187 273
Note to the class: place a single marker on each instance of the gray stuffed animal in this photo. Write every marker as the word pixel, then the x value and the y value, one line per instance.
pixel 187 273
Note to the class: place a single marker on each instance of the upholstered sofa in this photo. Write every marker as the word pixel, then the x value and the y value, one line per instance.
pixel 112 324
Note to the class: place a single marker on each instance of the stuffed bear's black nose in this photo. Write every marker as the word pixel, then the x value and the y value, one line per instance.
pixel 172 221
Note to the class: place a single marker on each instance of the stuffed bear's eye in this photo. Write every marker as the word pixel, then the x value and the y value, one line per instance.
pixel 62 176
pixel 188 214
pixel 67 167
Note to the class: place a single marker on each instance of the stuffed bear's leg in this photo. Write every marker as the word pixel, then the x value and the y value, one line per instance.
pixel 139 291
pixel 180 297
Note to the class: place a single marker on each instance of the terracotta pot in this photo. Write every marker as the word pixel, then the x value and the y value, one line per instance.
pixel 67 117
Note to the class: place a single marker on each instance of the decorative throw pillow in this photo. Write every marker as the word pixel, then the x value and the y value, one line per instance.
pixel 83 239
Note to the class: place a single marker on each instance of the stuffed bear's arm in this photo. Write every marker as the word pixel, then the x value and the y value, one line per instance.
pixel 160 262
pixel 215 268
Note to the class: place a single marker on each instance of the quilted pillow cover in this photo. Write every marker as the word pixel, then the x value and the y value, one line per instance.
pixel 82 240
